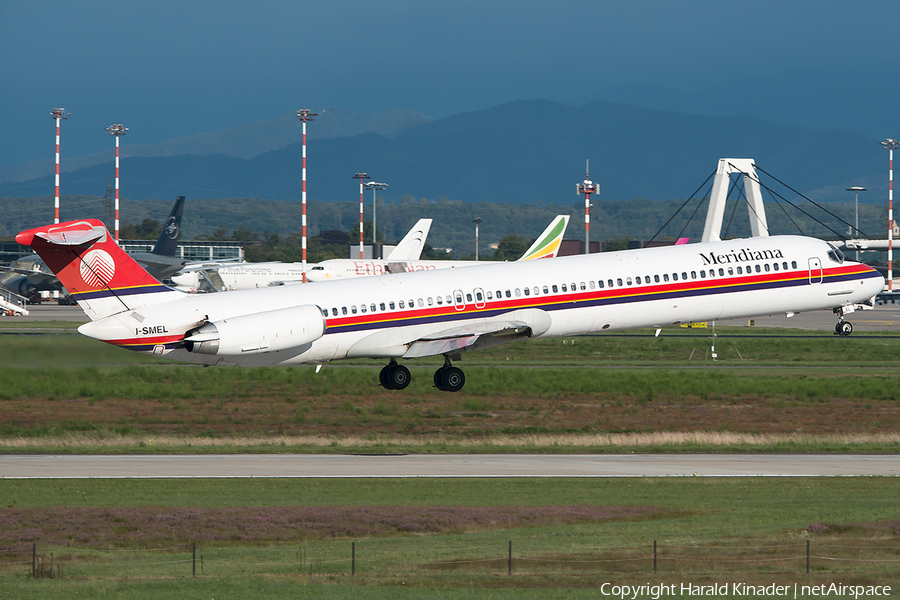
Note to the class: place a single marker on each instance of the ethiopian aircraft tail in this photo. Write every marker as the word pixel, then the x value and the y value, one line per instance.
pixel 547 244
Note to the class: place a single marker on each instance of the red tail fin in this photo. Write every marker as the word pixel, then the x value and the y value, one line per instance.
pixel 99 275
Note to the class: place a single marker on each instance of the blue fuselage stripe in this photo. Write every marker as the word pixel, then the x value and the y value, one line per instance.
pixel 132 291
pixel 585 299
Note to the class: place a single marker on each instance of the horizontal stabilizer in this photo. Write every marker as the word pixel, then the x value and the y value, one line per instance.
pixel 79 234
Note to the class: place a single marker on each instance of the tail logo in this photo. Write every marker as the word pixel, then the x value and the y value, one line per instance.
pixel 171 228
pixel 97 268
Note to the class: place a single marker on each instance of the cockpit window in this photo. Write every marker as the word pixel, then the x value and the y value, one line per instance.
pixel 835 254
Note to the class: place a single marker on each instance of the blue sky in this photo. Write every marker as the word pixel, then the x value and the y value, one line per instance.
pixel 172 68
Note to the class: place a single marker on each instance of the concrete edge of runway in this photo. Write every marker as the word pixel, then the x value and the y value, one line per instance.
pixel 430 466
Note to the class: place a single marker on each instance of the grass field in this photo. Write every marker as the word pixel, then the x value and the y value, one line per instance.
pixel 437 538
pixel 65 393
pixel 709 529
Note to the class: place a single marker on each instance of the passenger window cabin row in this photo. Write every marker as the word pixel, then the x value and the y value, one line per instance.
pixel 458 300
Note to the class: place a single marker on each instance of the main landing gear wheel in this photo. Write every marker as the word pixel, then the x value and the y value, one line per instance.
pixel 394 377
pixel 843 328
pixel 449 378
pixel 437 379
pixel 452 379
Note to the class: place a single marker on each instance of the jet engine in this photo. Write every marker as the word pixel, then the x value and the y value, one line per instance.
pixel 258 333
pixel 21 286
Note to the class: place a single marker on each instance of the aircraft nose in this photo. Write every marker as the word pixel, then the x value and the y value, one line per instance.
pixel 874 285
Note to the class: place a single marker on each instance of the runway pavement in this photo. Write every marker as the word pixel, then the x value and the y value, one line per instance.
pixel 49 312
pixel 881 318
pixel 449 465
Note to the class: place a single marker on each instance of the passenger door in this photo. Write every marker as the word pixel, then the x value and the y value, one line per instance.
pixel 815 270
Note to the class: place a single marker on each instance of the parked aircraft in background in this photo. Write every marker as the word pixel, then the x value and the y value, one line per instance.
pixel 29 275
pixel 545 246
pixel 245 276
pixel 447 312
pixel 161 262
pixel 255 275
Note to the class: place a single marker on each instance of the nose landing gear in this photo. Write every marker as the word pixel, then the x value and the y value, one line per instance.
pixel 843 327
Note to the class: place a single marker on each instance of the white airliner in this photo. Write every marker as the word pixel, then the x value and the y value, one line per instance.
pixel 546 245
pixel 450 311
pixel 245 276
pixel 403 259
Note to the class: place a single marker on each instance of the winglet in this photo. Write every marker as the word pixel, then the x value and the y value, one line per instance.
pixel 547 244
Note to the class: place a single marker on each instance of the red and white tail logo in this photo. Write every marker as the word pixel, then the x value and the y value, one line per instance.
pixel 97 267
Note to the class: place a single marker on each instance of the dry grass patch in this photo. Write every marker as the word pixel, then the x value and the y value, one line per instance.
pixel 664 440
pixel 149 527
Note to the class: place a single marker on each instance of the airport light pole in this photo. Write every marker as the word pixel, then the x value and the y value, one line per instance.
pixel 477 220
pixel 587 187
pixel 375 186
pixel 304 114
pixel 117 130
pixel 58 114
pixel 362 177
pixel 857 189
pixel 890 144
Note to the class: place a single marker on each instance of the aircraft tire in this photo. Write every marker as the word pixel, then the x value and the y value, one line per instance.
pixel 452 379
pixel 846 328
pixel 398 377
pixel 437 379
pixel 383 377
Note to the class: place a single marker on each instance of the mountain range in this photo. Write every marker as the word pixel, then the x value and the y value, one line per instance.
pixel 527 151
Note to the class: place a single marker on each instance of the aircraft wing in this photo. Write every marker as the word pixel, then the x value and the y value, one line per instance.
pixel 410 247
pixel 456 339
pixel 277 282
pixel 203 265
pixel 158 265
pixel 34 276
pixel 547 244
pixel 437 338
